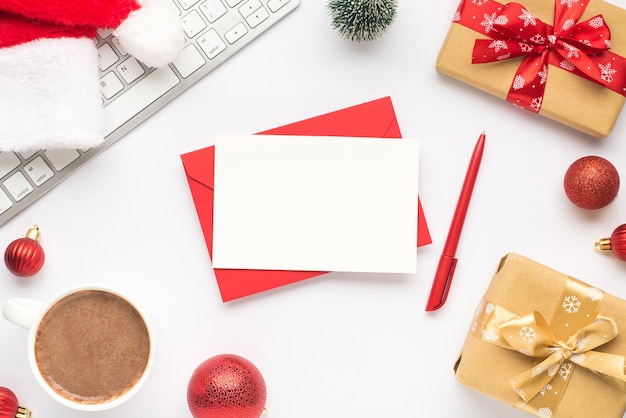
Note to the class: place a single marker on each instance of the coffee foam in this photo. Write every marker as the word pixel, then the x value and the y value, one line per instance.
pixel 92 347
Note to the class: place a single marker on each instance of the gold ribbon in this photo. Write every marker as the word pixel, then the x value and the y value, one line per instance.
pixel 575 331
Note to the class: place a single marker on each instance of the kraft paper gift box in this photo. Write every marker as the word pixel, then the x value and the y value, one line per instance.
pixel 568 98
pixel 547 343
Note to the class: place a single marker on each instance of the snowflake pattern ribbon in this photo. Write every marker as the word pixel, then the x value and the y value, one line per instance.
pixel 570 339
pixel 531 335
pixel 581 48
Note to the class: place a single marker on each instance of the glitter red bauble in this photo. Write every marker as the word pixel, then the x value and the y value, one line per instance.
pixel 226 386
pixel 591 182
pixel 25 257
pixel 9 407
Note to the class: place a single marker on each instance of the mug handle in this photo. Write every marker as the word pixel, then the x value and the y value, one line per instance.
pixel 21 311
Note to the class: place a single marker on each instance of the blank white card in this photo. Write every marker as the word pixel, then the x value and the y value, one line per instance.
pixel 315 203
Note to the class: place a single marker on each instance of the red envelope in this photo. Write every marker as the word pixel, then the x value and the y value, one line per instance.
pixel 372 119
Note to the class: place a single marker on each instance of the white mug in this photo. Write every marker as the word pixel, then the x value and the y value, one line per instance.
pixel 90 348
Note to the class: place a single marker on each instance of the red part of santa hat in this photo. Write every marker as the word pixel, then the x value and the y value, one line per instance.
pixel 15 30
pixel 26 20
pixel 95 13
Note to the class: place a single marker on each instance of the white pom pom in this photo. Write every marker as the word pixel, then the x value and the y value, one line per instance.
pixel 152 34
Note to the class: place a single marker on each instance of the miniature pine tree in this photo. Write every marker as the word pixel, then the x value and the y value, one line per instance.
pixel 362 20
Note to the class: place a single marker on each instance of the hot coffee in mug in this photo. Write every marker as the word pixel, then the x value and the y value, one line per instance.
pixel 90 348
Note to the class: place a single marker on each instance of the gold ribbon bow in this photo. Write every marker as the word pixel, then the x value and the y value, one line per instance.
pixel 532 335
pixel 575 330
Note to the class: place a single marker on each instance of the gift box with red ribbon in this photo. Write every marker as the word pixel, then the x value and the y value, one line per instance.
pixel 563 59
pixel 547 343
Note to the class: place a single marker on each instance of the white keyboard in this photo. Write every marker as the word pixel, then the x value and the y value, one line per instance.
pixel 131 92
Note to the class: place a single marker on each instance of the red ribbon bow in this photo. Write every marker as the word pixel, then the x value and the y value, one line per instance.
pixel 580 48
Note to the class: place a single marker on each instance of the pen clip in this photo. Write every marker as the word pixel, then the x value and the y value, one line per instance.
pixel 442 282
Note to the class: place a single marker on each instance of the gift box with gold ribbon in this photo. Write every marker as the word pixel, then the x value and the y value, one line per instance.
pixel 563 59
pixel 547 343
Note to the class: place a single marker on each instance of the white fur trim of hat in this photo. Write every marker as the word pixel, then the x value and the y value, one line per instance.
pixel 50 95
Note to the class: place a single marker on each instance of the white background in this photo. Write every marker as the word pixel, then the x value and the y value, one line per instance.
pixel 341 345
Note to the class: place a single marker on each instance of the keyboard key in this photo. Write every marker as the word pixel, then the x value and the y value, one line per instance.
pixel 119 47
pixel 213 10
pixel 61 158
pixel 188 61
pixel 5 201
pixel 8 161
pixel 257 17
pixel 188 3
pixel 104 33
pixel 110 85
pixel 18 186
pixel 130 70
pixel 233 3
pixel 211 43
pixel 134 100
pixel 193 24
pixel 249 7
pixel 275 5
pixel 106 57
pixel 27 154
pixel 38 171
pixel 235 33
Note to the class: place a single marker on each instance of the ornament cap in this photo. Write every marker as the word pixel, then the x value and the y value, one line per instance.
pixel 34 233
pixel 603 244
pixel 23 412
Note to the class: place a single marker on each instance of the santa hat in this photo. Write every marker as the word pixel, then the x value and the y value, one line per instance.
pixel 49 75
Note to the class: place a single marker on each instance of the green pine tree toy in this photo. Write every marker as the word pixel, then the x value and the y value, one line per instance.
pixel 362 20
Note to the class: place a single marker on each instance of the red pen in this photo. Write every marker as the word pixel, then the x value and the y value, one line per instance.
pixel 447 261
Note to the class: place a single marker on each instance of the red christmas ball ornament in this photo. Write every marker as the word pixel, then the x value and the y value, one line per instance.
pixel 616 243
pixel 591 182
pixel 24 257
pixel 9 406
pixel 226 386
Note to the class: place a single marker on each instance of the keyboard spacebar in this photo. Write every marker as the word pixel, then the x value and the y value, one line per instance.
pixel 138 97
